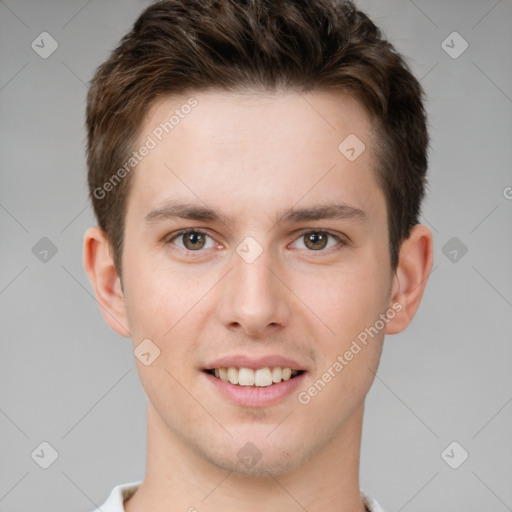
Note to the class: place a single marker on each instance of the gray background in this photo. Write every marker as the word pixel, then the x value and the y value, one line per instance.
pixel 66 379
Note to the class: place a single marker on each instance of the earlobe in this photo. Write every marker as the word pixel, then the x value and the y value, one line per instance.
pixel 414 267
pixel 100 268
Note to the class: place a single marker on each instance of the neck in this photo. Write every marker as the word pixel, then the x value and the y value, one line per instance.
pixel 177 478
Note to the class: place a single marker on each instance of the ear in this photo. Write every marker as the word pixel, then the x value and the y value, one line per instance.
pixel 100 268
pixel 414 267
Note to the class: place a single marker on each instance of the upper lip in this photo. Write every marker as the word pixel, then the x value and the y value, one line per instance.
pixel 246 361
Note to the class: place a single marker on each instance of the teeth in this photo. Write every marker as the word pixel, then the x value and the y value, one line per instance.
pixel 276 374
pixel 233 375
pixel 246 377
pixel 261 377
pixel 223 373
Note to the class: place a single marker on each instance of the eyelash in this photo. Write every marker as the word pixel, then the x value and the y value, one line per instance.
pixel 190 252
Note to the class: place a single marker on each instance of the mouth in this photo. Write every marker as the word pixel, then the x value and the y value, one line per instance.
pixel 249 377
pixel 250 380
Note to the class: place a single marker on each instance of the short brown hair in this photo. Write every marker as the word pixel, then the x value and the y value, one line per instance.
pixel 179 46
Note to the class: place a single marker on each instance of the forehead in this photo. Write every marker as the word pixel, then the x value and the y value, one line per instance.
pixel 220 118
pixel 255 146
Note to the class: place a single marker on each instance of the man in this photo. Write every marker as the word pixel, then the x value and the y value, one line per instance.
pixel 257 169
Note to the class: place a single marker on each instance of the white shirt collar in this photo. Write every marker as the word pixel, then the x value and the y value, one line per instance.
pixel 122 492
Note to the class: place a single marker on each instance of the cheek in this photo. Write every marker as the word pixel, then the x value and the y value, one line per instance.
pixel 168 308
pixel 344 300
pixel 157 297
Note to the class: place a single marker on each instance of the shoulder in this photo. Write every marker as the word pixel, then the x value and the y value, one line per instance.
pixel 371 504
pixel 120 493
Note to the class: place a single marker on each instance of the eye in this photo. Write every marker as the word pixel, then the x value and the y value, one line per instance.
pixel 192 239
pixel 318 240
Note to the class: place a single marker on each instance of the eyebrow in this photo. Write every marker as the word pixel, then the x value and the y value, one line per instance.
pixel 190 211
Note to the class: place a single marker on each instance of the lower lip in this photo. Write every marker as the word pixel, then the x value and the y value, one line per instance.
pixel 254 396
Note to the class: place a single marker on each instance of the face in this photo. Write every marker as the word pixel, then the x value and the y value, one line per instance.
pixel 284 266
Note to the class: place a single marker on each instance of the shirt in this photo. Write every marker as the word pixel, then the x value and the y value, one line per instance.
pixel 122 492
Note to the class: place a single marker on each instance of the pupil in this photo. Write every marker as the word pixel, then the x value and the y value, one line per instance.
pixel 194 239
pixel 317 240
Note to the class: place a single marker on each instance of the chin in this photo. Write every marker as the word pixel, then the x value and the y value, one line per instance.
pixel 270 465
pixel 257 455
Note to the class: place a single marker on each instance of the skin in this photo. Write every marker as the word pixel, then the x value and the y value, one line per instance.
pixel 251 155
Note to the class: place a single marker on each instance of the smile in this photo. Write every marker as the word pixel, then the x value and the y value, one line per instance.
pixel 261 377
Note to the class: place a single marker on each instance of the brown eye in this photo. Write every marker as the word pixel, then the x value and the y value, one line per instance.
pixel 316 240
pixel 191 240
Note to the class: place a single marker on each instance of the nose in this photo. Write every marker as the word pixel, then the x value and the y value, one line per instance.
pixel 254 299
